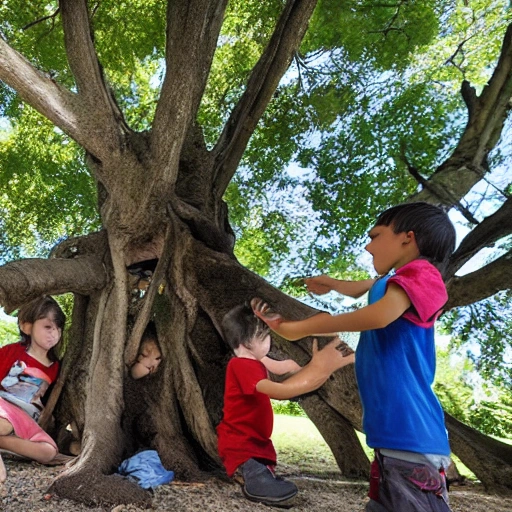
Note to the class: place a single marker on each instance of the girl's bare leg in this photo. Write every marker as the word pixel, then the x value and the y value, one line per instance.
pixel 5 430
pixel 40 452
pixel 3 471
pixel 5 427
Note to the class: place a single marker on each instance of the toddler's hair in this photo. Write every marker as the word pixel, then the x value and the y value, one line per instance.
pixel 149 334
pixel 240 326
pixel 433 229
pixel 42 307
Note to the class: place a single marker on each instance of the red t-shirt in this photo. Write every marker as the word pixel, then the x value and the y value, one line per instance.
pixel 17 352
pixel 248 420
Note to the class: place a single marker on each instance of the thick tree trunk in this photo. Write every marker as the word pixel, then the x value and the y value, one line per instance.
pixel 176 410
pixel 165 184
pixel 489 459
pixel 340 435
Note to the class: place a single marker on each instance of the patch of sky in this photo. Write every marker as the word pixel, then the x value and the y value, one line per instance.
pixel 156 80
pixel 489 197
pixel 7 318
pixel 5 128
pixel 5 124
pixel 294 170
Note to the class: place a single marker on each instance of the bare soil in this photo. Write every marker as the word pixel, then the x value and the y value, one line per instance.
pixel 27 483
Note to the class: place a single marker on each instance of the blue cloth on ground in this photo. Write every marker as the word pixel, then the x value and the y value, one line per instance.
pixel 147 469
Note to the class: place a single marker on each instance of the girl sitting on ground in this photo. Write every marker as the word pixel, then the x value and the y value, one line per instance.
pixel 27 368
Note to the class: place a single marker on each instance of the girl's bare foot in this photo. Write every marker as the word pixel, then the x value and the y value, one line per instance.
pixel 3 471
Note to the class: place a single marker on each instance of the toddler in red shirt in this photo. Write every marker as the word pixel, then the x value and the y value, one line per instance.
pixel 244 433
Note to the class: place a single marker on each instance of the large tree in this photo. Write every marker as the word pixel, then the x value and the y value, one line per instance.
pixel 149 110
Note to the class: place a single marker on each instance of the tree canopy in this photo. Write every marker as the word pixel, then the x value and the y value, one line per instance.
pixel 367 112
pixel 140 121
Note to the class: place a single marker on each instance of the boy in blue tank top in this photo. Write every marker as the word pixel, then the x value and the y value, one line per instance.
pixel 395 358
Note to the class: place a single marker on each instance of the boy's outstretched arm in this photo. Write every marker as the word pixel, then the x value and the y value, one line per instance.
pixel 311 376
pixel 375 316
pixel 320 285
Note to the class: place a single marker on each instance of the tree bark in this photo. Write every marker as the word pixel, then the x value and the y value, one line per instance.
pixel 161 192
pixel 340 435
pixel 482 283
pixel 490 460
pixel 24 280
pixel 489 231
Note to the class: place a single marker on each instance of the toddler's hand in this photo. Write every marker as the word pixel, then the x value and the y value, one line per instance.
pixel 290 366
pixel 263 311
pixel 280 367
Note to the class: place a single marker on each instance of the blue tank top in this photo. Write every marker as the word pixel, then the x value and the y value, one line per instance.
pixel 395 369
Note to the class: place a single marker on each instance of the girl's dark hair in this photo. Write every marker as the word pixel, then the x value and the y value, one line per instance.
pixel 240 326
pixel 43 307
pixel 433 230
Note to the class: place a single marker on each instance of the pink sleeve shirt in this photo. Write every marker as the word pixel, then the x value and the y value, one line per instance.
pixel 426 301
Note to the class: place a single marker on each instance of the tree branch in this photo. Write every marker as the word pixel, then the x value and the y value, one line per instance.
pixel 413 171
pixel 493 228
pixel 64 109
pixel 261 86
pixel 44 18
pixel 481 284
pixel 480 452
pixel 59 105
pixel 83 61
pixel 486 116
pixel 24 280
pixel 193 27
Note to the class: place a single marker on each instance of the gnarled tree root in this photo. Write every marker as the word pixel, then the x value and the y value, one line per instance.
pixel 95 489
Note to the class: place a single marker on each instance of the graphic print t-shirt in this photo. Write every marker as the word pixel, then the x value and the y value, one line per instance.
pixel 26 381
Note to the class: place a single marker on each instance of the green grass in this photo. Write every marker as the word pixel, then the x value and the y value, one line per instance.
pixel 298 443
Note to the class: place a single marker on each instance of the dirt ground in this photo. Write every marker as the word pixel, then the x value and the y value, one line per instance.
pixel 26 491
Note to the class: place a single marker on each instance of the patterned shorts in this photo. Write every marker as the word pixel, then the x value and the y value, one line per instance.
pixel 401 486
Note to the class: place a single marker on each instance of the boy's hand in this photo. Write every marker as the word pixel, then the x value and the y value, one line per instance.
pixel 333 356
pixel 263 311
pixel 319 285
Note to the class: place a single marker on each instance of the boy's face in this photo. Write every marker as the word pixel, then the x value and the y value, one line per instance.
pixel 391 250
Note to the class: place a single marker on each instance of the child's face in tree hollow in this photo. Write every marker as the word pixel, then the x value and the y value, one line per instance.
pixel 148 360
